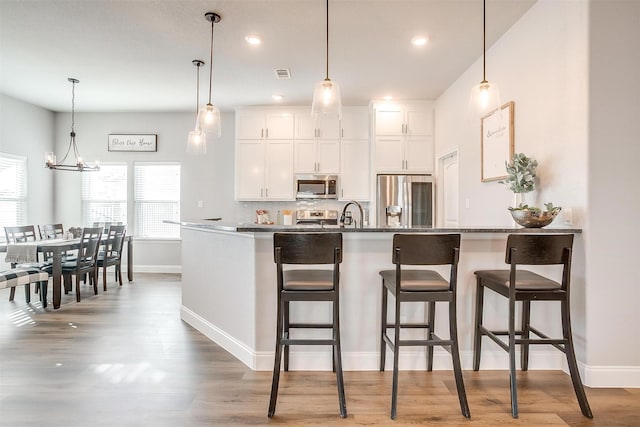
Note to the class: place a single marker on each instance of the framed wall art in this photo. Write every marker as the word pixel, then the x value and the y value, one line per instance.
pixel 133 142
pixel 496 142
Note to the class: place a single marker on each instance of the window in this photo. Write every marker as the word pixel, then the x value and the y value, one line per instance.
pixel 157 198
pixel 104 194
pixel 13 191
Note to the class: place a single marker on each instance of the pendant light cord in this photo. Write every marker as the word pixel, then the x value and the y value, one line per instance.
pixel 73 107
pixel 211 60
pixel 327 55
pixel 197 89
pixel 484 40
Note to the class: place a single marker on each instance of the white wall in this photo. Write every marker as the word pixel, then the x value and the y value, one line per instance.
pixel 27 130
pixel 612 235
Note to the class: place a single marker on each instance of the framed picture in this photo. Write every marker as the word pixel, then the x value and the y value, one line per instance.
pixel 496 141
pixel 133 142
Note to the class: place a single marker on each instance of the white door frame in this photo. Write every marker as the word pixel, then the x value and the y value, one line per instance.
pixel 440 187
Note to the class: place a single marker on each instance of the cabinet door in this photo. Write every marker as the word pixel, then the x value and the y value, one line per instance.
pixel 389 154
pixel 419 154
pixel 328 156
pixel 419 120
pixel 354 170
pixel 305 152
pixel 389 120
pixel 279 174
pixel 279 125
pixel 305 125
pixel 250 124
pixel 328 127
pixel 355 123
pixel 250 169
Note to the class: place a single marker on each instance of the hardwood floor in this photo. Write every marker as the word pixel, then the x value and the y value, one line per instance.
pixel 124 358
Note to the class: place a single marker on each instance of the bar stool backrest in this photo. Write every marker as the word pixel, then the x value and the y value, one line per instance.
pixel 426 249
pixel 307 248
pixel 542 249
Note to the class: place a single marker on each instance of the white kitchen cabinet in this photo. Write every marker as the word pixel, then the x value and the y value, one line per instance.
pixel 399 119
pixel 317 156
pixel 264 170
pixel 264 124
pixel 324 127
pixel 354 170
pixel 403 139
pixel 354 123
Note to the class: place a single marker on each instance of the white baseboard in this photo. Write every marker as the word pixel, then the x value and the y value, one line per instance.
pixel 611 376
pixel 238 349
pixel 171 269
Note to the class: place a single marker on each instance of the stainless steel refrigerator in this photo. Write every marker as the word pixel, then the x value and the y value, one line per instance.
pixel 405 200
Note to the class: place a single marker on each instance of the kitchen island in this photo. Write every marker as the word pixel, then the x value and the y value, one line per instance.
pixel 229 295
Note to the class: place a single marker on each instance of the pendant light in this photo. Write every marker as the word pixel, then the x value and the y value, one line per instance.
pixel 209 116
pixel 485 97
pixel 79 165
pixel 196 142
pixel 326 96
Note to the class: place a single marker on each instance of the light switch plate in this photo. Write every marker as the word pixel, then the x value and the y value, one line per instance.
pixel 200 204
pixel 567 216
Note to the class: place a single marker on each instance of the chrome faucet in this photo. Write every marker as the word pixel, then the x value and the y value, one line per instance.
pixel 344 211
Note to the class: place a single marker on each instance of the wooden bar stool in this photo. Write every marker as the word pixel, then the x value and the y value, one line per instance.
pixel 307 285
pixel 410 285
pixel 526 286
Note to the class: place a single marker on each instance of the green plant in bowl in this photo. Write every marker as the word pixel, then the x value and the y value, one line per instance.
pixel 534 217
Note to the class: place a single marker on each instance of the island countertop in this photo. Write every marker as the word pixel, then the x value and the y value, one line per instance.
pixel 260 228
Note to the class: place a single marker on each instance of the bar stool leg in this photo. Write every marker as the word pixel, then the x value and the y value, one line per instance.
pixel 477 339
pixel 396 350
pixel 526 326
pixel 512 358
pixel 571 361
pixel 383 328
pixel 286 334
pixel 337 359
pixel 278 358
pixel 432 330
pixel 455 357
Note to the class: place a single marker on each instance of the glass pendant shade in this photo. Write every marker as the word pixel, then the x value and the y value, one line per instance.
pixel 485 98
pixel 197 141
pixel 326 99
pixel 209 120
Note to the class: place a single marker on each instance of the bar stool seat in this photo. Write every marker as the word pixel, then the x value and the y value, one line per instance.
pixel 519 285
pixel 422 285
pixel 318 284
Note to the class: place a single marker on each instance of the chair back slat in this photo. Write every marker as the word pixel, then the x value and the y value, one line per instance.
pixel 88 250
pixel 538 249
pixel 51 231
pixel 425 249
pixel 115 241
pixel 308 248
pixel 20 234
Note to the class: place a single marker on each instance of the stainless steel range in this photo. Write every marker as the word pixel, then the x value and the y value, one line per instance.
pixel 313 216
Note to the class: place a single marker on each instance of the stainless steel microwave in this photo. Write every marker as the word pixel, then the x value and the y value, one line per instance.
pixel 316 187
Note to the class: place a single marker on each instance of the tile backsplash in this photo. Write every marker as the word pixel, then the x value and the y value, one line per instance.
pixel 246 211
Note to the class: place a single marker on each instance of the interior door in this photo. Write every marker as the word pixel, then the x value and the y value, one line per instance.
pixel 449 182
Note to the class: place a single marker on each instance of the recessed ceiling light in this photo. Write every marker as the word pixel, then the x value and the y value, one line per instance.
pixel 419 40
pixel 253 40
pixel 277 97
pixel 388 98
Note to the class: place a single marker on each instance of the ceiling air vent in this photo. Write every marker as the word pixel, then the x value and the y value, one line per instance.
pixel 282 73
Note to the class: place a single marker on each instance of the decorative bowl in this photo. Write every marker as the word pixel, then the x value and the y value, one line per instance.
pixel 533 218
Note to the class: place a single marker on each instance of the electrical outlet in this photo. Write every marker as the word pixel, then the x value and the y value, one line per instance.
pixel 567 216
pixel 466 203
pixel 200 204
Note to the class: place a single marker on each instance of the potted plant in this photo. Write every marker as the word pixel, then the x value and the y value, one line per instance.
pixel 521 174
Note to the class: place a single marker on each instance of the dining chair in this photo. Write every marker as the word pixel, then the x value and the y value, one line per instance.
pixel 23 234
pixel 51 231
pixel 518 284
pixel 411 282
pixel 295 285
pixel 85 262
pixel 112 254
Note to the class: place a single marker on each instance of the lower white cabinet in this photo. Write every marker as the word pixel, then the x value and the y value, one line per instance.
pixel 264 170
pixel 354 170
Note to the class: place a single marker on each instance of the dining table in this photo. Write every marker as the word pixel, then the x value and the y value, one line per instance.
pixel 57 248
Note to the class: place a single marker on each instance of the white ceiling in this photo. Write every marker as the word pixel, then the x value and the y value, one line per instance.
pixel 135 55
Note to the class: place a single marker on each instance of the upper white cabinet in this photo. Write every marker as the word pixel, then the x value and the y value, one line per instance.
pixel 403 138
pixel 354 123
pixel 324 127
pixel 264 124
pixel 317 143
pixel 264 170
pixel 397 119
pixel 354 170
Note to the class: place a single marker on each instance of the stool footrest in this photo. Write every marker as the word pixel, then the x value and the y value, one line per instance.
pixel 307 341
pixel 410 325
pixel 310 325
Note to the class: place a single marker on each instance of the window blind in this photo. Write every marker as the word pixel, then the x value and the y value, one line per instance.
pixel 157 198
pixel 104 195
pixel 13 191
